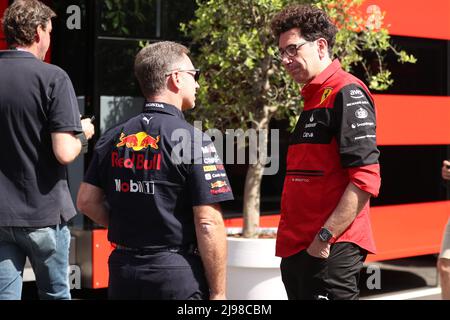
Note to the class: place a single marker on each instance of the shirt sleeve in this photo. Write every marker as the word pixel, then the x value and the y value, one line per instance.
pixel 64 114
pixel 97 171
pixel 92 175
pixel 207 180
pixel 356 118
pixel 366 178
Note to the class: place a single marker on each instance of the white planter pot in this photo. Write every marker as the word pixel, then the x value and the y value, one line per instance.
pixel 253 270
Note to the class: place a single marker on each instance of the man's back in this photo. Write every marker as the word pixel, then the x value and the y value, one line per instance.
pixel 36 99
pixel 154 198
pixel 40 132
pixel 150 191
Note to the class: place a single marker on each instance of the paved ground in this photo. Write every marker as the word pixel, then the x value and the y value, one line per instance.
pixel 405 279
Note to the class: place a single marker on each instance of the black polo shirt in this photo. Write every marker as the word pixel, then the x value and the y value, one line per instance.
pixel 153 169
pixel 36 99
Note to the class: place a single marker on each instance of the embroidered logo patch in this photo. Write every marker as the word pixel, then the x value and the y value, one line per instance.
pixel 326 94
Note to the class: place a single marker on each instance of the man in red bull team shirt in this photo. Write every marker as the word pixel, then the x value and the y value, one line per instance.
pixel 332 164
pixel 162 213
pixel 41 133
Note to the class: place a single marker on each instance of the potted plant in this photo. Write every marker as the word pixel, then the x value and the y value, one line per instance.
pixel 244 85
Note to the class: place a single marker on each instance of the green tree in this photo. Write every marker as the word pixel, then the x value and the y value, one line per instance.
pixel 244 85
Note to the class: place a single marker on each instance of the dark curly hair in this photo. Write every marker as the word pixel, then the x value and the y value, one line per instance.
pixel 21 20
pixel 313 23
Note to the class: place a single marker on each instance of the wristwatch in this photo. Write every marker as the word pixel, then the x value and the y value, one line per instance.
pixel 84 142
pixel 325 235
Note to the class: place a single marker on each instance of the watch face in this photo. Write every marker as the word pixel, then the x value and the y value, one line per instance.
pixel 325 235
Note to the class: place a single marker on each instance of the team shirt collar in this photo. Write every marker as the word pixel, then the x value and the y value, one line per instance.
pixel 151 106
pixel 309 89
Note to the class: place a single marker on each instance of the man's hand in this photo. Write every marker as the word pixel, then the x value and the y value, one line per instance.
pixel 88 128
pixel 319 249
pixel 446 170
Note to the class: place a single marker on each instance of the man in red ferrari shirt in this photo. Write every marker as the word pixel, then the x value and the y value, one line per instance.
pixel 332 164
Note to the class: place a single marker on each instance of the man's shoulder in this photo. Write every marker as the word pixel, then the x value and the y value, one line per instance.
pixel 182 124
pixel 44 70
pixel 347 80
pixel 169 125
pixel 26 62
pixel 52 71
pixel 107 138
pixel 177 126
pixel 171 120
pixel 113 131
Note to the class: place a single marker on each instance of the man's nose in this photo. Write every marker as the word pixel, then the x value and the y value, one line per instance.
pixel 285 59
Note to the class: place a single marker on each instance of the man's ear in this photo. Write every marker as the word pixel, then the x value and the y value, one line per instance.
pixel 174 81
pixel 322 46
pixel 37 36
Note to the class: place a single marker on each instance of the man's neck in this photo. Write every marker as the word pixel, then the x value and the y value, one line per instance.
pixel 31 49
pixel 325 63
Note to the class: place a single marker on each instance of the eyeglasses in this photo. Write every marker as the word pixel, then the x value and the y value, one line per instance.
pixel 291 50
pixel 193 72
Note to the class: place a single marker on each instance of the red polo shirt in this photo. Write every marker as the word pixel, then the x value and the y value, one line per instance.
pixel 333 144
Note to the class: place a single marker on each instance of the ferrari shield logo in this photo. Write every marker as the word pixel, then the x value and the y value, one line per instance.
pixel 326 94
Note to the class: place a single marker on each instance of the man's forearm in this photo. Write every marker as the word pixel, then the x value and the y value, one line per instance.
pixel 211 240
pixel 97 213
pixel 352 202
pixel 91 202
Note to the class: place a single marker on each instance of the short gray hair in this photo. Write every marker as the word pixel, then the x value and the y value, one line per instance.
pixel 153 62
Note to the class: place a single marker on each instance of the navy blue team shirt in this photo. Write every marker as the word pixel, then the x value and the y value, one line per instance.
pixel 153 169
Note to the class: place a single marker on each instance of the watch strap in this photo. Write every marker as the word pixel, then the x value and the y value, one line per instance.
pixel 84 142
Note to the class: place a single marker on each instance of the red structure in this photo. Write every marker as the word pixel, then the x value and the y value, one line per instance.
pixel 413 228
pixel 3 6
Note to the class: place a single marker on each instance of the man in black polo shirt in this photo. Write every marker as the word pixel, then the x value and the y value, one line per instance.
pixel 162 181
pixel 40 132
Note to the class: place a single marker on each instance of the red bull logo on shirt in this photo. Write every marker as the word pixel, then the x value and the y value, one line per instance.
pixel 220 190
pixel 136 161
pixel 138 141
pixel 218 184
